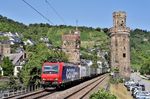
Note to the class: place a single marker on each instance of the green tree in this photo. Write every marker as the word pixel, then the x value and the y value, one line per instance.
pixel 7 66
pixel 105 30
pixel 98 29
pixel 30 74
pixel 145 69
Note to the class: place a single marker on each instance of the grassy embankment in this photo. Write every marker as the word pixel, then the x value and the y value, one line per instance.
pixel 120 91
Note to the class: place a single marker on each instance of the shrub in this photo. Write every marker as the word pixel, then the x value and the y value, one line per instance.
pixel 102 94
pixel 116 80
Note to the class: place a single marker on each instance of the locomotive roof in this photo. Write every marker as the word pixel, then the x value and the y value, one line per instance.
pixel 65 64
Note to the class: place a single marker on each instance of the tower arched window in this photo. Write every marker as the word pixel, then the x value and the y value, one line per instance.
pixel 124 48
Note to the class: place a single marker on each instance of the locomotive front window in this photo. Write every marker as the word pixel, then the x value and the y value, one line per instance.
pixel 50 69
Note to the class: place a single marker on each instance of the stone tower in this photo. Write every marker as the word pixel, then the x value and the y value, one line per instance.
pixel 120 44
pixel 6 49
pixel 71 46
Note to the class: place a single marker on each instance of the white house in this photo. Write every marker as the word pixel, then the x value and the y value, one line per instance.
pixel 17 70
pixel 18 60
pixel 17 34
pixel 29 42
pixel 86 62
pixel 44 39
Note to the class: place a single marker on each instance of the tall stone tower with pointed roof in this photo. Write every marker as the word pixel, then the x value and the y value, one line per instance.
pixel 120 44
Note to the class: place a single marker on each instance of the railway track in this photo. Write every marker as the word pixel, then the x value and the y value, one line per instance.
pixel 81 93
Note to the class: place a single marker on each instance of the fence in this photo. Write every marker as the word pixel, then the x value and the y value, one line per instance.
pixel 8 93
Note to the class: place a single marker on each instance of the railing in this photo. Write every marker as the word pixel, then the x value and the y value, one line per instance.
pixel 8 93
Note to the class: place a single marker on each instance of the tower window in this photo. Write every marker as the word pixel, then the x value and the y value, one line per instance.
pixel 124 55
pixel 121 24
pixel 124 48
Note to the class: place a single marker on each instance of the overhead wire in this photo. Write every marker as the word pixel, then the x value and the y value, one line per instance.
pixel 56 12
pixel 38 12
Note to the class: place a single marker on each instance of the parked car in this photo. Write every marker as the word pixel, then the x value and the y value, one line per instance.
pixel 142 95
pixel 139 87
pixel 127 83
pixel 131 86
pixel 142 86
pixel 135 92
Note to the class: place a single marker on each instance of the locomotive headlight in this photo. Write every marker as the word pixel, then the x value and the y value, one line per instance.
pixel 56 79
pixel 44 79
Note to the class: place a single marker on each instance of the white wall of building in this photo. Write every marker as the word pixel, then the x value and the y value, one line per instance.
pixel 17 70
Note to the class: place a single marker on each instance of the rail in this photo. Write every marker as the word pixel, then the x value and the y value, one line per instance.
pixel 80 90
pixel 81 93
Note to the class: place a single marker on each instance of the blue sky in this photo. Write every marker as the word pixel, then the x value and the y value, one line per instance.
pixel 92 13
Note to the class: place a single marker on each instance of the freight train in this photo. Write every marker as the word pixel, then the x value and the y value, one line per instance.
pixel 59 74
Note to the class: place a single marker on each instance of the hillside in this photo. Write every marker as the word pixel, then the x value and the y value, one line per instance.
pixel 90 37
pixel 54 33
pixel 9 25
pixel 140 47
